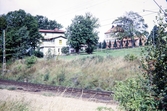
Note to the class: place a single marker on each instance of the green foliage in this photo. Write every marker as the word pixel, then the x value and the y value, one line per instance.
pixel 21 34
pixel 46 77
pixel 109 44
pixel 104 44
pixel 132 24
pixel 29 61
pixel 130 57
pixel 140 42
pixel 155 64
pixel 65 50
pixel 127 43
pixel 115 44
pixel 44 23
pixel 133 95
pixel 104 109
pixel 38 54
pixel 49 54
pixel 14 105
pixel 82 31
pixel 100 45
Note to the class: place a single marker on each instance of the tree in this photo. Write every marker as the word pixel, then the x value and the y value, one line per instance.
pixel 127 43
pixel 100 45
pixel 140 42
pixel 155 64
pixel 44 23
pixel 82 32
pixel 132 24
pixel 115 44
pixel 109 44
pixel 21 33
pixel 104 44
pixel 152 38
pixel 121 43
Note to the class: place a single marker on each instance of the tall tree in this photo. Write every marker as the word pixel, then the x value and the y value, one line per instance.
pixel 115 44
pixel 82 32
pixel 21 33
pixel 100 45
pixel 152 38
pixel 132 24
pixel 127 43
pixel 140 42
pixel 45 23
pixel 109 44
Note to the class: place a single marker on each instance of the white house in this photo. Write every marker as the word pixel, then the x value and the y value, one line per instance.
pixel 53 41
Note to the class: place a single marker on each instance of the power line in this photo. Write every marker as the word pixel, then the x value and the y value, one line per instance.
pixel 82 9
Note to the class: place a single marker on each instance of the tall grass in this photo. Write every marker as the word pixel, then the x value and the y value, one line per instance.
pixel 91 72
pixel 14 105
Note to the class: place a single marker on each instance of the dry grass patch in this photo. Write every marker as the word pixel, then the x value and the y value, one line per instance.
pixel 94 72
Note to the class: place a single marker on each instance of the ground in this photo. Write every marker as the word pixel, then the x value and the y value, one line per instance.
pixel 48 102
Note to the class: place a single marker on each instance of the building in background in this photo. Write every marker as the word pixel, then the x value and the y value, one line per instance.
pixel 53 41
pixel 110 35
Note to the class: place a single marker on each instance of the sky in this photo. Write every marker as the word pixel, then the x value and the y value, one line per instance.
pixel 63 11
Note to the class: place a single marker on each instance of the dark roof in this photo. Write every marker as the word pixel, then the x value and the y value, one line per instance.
pixel 56 30
pixel 114 30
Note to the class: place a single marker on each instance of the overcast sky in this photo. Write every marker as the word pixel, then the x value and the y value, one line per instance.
pixel 63 11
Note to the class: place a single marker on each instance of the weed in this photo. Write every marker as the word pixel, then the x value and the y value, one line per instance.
pixel 12 88
pixel 104 109
pixel 13 105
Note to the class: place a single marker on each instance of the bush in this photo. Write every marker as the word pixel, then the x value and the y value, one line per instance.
pixel 38 54
pixel 65 50
pixel 155 65
pixel 130 57
pixel 30 61
pixel 134 95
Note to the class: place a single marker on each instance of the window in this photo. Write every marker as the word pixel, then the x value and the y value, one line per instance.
pixel 60 42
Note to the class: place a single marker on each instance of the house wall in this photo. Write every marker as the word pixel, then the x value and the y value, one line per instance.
pixel 52 42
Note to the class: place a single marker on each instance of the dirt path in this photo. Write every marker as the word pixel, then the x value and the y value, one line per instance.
pixel 45 101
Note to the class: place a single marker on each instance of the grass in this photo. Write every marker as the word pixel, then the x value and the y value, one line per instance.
pixel 13 105
pixel 105 52
pixel 87 72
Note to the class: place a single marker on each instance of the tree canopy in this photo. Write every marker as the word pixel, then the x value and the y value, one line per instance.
pixel 83 32
pixel 132 24
pixel 45 23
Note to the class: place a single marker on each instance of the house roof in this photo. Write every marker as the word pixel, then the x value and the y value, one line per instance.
pixel 114 29
pixel 56 30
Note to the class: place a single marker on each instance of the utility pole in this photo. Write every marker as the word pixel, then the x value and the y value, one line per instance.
pixel 4 55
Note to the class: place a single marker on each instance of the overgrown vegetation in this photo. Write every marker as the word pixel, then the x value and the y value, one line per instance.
pixel 149 93
pixel 14 105
pixel 90 72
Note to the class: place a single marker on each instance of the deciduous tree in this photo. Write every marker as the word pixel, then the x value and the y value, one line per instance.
pixel 83 32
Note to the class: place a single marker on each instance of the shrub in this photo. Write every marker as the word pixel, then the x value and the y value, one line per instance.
pixel 30 61
pixel 155 65
pixel 130 57
pixel 38 54
pixel 65 50
pixel 134 95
